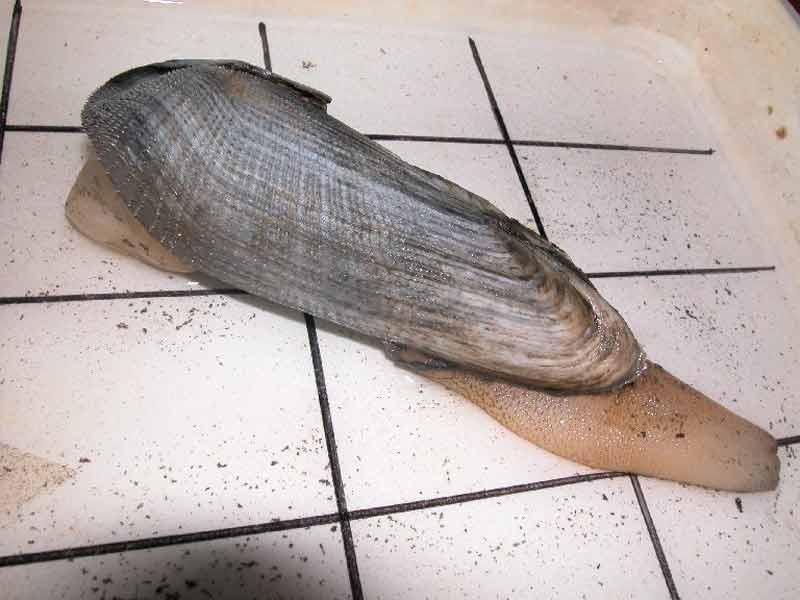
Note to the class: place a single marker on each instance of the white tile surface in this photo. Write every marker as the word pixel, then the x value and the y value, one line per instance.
pixel 733 337
pixel 614 210
pixel 388 81
pixel 585 540
pixel 207 419
pixel 68 49
pixel 215 422
pixel 484 169
pixel 563 86
pixel 432 442
pixel 40 252
pixel 716 551
pixel 303 564
pixel 394 81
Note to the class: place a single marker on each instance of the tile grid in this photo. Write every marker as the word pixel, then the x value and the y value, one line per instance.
pixel 299 523
pixel 342 514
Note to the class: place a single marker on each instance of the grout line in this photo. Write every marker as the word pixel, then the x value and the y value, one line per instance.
pixel 651 529
pixel 333 456
pixel 116 296
pixel 165 540
pixel 46 128
pixel 262 32
pixel 392 137
pixel 501 124
pixel 55 298
pixel 356 590
pixel 11 54
pixel 366 513
pixel 789 440
pixel 284 525
pixel 663 272
pixel 388 137
pixel 622 147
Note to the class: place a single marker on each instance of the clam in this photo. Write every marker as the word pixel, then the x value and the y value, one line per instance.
pixel 233 171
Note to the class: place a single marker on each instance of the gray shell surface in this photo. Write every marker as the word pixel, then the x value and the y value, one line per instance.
pixel 244 176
